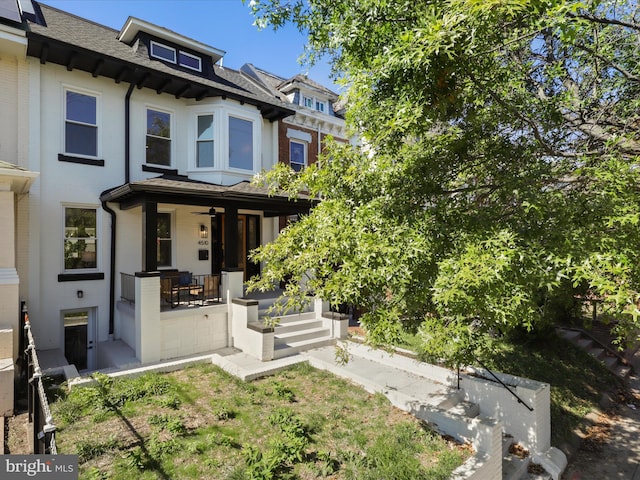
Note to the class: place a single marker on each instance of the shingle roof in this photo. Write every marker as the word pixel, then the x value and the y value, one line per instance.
pixel 62 30
pixel 183 190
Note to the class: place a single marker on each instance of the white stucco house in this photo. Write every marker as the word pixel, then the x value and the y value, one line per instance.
pixel 134 214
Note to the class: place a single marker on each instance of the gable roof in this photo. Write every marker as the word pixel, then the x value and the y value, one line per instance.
pixel 77 43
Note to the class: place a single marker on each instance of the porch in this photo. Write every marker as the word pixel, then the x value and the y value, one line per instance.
pixel 155 330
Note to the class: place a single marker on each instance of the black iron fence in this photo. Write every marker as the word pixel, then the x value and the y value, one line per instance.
pixel 40 420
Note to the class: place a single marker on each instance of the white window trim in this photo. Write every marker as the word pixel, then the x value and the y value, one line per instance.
pixel 171 135
pixel 195 142
pixel 221 112
pixel 304 101
pixel 154 43
pixel 199 69
pixel 305 155
pixel 99 240
pixel 69 88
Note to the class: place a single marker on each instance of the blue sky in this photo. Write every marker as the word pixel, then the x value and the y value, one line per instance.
pixel 224 24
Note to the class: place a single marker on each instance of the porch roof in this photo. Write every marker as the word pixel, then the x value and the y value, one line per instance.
pixel 181 190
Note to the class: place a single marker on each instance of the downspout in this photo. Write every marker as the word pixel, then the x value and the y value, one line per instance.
pixel 127 135
pixel 112 267
pixel 112 213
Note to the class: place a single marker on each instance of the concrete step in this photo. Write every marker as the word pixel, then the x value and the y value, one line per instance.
pixel 536 476
pixel 584 342
pixel 610 362
pixel 466 409
pixel 570 335
pixel 513 468
pixel 451 400
pixel 265 303
pixel 597 352
pixel 622 371
pixel 300 335
pixel 297 325
pixel 285 319
pixel 291 348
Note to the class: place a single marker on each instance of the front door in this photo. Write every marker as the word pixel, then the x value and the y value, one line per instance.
pixel 79 343
pixel 248 238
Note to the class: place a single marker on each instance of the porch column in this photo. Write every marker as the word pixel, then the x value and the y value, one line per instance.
pixel 231 237
pixel 147 320
pixel 149 236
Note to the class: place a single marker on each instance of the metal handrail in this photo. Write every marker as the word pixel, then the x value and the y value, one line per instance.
pixel 49 429
pixel 505 386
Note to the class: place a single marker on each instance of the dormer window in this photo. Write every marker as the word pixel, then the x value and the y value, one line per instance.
pixel 308 102
pixel 319 106
pixel 190 61
pixel 171 55
pixel 163 52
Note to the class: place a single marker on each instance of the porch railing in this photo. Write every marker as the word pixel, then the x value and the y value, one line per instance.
pixel 210 287
pixel 127 287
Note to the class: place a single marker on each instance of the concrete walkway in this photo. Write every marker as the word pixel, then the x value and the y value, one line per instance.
pixel 619 457
pixel 384 374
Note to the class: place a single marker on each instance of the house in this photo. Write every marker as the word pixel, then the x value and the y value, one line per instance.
pixel 318 115
pixel 142 215
pixel 15 183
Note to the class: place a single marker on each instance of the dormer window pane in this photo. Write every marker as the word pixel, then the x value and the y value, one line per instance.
pixel 190 61
pixel 319 106
pixel 308 102
pixel 163 52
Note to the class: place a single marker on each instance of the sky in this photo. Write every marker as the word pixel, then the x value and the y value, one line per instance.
pixel 223 24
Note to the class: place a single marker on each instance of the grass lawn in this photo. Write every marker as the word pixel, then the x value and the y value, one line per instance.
pixel 577 379
pixel 201 423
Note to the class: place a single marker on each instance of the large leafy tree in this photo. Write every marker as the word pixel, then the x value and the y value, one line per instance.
pixel 497 175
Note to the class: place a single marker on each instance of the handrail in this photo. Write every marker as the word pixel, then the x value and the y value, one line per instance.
pixel 49 428
pixel 505 386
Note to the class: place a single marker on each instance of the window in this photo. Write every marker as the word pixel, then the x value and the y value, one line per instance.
pixel 158 137
pixel 163 52
pixel 80 238
pixel 81 125
pixel 297 155
pixel 164 240
pixel 308 102
pixel 240 143
pixel 204 142
pixel 190 61
pixel 319 106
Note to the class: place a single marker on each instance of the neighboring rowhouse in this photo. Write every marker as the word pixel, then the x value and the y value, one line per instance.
pixel 145 146
pixel 15 182
pixel 318 114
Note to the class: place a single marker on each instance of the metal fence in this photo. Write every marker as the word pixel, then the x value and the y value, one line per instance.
pixel 40 419
pixel 128 287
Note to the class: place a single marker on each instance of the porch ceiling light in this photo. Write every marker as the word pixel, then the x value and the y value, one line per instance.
pixel 204 231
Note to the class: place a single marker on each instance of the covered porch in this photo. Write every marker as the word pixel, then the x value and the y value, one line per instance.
pixel 191 240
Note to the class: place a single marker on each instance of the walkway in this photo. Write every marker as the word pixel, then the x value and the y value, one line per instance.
pixel 618 458
pixel 375 375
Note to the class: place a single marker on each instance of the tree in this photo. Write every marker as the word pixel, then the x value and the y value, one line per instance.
pixel 498 173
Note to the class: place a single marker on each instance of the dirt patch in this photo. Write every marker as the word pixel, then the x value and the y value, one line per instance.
pixel 16 441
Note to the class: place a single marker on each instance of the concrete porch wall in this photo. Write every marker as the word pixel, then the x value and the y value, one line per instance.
pixel 192 331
